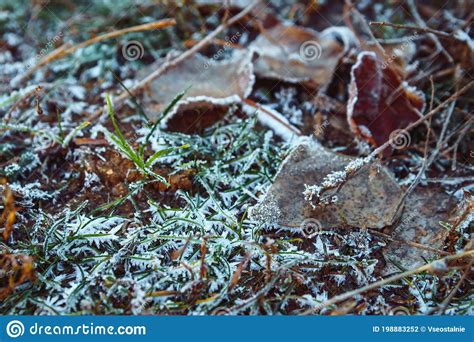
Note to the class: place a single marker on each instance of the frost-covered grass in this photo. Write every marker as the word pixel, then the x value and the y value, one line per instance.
pixel 196 254
pixel 200 257
pixel 108 263
pixel 107 236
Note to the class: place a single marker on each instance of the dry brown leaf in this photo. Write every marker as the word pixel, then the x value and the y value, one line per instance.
pixel 208 82
pixel 380 101
pixel 462 218
pixel 300 55
pixel 369 199
pixel 420 223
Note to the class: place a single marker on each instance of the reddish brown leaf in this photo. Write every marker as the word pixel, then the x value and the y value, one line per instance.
pixel 380 101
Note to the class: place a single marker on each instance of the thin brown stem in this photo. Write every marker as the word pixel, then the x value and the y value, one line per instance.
pixel 385 145
pixel 413 28
pixel 67 50
pixel 366 26
pixel 433 37
pixel 425 268
pixel 180 58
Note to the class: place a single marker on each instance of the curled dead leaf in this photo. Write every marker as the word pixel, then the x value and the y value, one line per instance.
pixel 300 55
pixel 380 102
pixel 210 83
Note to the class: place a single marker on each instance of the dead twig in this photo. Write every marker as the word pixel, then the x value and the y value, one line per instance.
pixel 444 305
pixel 376 232
pixel 434 38
pixel 238 272
pixel 454 147
pixel 413 28
pixel 385 145
pixel 180 58
pixel 203 269
pixel 431 267
pixel 352 8
pixel 67 50
pixel 427 162
pixel 220 42
pixel 26 96
pixel 409 243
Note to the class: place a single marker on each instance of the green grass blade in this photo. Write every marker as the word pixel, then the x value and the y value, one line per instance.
pixel 163 114
pixel 163 152
pixel 73 133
